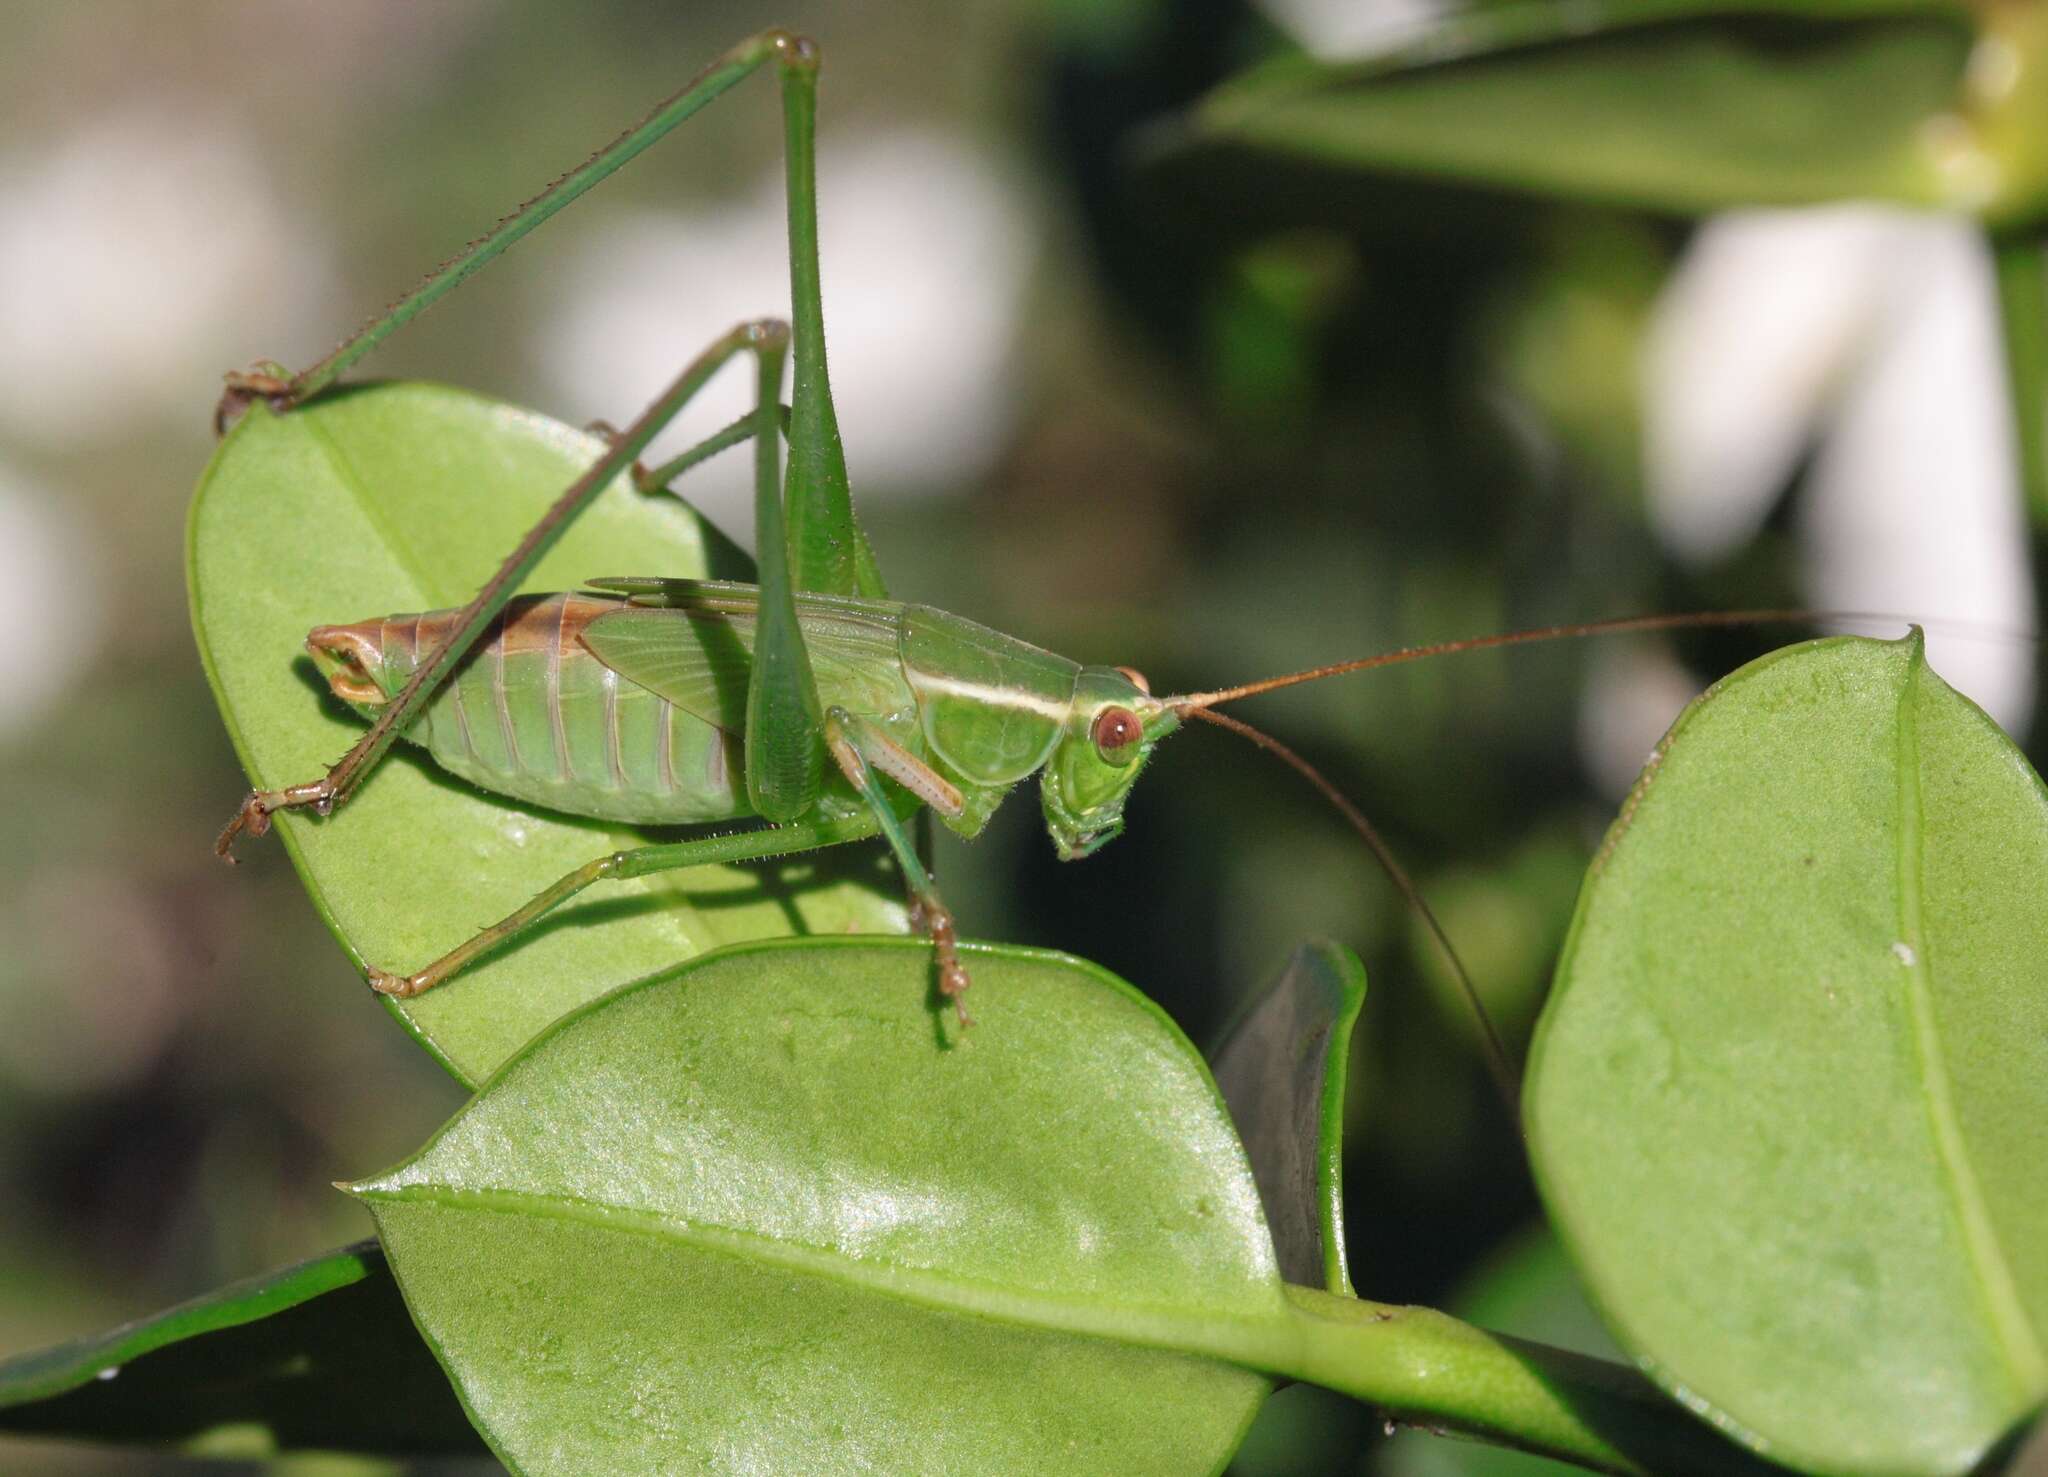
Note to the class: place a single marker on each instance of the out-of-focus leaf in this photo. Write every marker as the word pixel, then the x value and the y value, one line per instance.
pixel 1686 107
pixel 755 1215
pixel 2023 314
pixel 1805 1001
pixel 404 497
pixel 2030 1452
pixel 317 1356
pixel 1281 1070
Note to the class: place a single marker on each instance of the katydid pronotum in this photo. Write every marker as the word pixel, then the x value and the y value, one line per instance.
pixel 659 701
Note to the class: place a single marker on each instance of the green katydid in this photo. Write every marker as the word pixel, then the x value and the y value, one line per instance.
pixel 654 691
pixel 673 701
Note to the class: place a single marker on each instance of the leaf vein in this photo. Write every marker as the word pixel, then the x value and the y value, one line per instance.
pixel 2015 1337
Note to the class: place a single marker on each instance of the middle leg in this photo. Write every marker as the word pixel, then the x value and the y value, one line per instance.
pixel 618 866
pixel 860 749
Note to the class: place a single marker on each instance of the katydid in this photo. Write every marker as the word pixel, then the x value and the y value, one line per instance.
pixel 724 683
pixel 809 701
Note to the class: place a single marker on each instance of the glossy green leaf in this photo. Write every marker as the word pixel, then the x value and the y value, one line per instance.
pixel 1685 107
pixel 1789 1101
pixel 309 1357
pixel 764 1213
pixel 757 1216
pixel 1281 1070
pixel 404 497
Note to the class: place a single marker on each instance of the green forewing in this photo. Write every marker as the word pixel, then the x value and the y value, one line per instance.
pixel 698 654
pixel 404 497
pixel 1806 999
pixel 757 1214
pixel 992 707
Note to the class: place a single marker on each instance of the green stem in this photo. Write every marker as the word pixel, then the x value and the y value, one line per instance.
pixel 2023 313
pixel 1427 1369
pixel 708 85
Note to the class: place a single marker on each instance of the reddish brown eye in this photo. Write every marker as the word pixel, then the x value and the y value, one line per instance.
pixel 1116 732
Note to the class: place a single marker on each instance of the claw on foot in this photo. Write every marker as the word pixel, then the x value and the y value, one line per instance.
pixel 398 986
pixel 253 818
pixel 267 383
pixel 953 983
pixel 929 916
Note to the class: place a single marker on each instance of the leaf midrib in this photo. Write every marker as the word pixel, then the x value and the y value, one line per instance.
pixel 353 482
pixel 1234 1336
pixel 2015 1336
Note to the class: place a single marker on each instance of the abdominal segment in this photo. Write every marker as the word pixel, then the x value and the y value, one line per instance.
pixel 531 713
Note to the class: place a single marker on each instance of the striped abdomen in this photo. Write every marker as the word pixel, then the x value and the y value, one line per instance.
pixel 531 713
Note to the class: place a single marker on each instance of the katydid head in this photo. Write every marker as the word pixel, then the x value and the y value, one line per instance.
pixel 1110 732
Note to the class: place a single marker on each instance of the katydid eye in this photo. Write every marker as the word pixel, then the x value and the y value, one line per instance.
pixel 1116 733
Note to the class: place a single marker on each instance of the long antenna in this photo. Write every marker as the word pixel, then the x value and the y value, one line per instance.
pixel 1496 1053
pixel 1202 704
pixel 1196 701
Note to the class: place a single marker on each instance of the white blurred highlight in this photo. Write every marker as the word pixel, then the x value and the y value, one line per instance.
pixel 924 253
pixel 1763 320
pixel 1915 500
pixel 1872 337
pixel 1337 29
pixel 134 255
pixel 1634 690
pixel 47 602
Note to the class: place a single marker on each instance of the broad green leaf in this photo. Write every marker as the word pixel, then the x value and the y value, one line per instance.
pixel 316 1356
pixel 1686 107
pixel 1281 1070
pixel 404 497
pixel 754 1215
pixel 763 1213
pixel 1788 1104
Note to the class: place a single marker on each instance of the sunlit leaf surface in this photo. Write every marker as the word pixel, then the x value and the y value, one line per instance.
pixel 404 497
pixel 769 1213
pixel 1805 1000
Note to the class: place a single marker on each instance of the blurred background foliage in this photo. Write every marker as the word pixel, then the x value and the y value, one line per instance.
pixel 1216 393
